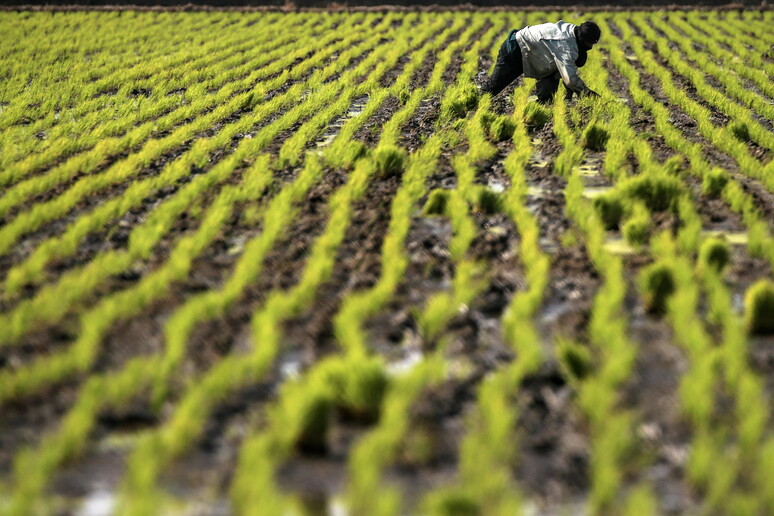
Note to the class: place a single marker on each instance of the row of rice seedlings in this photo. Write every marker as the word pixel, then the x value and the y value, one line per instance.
pixel 39 102
pixel 487 451
pixel 34 468
pixel 209 304
pixel 96 321
pixel 380 446
pixel 266 323
pixel 715 42
pixel 726 464
pixel 722 137
pixel 105 36
pixel 259 460
pixel 19 73
pixel 609 428
pixel 391 160
pixel 343 151
pixel 291 149
pixel 750 34
pixel 599 378
pixel 206 110
pixel 92 120
pixel 696 387
pixel 32 34
pixel 31 269
pixel 755 445
pixel 747 128
pixel 716 182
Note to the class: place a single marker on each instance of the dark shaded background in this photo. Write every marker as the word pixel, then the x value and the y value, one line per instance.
pixel 324 3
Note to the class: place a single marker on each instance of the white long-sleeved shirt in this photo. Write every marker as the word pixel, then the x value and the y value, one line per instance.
pixel 548 48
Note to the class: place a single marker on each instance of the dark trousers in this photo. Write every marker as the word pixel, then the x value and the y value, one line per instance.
pixel 509 67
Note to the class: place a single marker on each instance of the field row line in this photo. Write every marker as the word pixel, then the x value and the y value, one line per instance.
pixel 97 116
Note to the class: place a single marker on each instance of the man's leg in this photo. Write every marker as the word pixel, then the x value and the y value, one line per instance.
pixel 546 88
pixel 507 69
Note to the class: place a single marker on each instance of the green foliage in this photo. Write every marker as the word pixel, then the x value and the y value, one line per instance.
pixel 462 98
pixel 454 503
pixel 354 151
pixel 637 226
pixel 714 254
pixel 489 202
pixel 714 182
pixel 759 307
pixel 536 115
pixel 674 165
pixel 595 137
pixel 502 128
pixel 487 117
pixel 436 202
pixel 740 130
pixel 657 284
pixel 610 208
pixel 315 425
pixel 390 161
pixel 659 192
pixel 404 95
pixel 359 387
pixel 574 359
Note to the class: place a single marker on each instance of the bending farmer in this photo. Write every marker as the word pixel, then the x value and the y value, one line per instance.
pixel 547 52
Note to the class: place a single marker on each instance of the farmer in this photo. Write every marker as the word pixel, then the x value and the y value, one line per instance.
pixel 547 52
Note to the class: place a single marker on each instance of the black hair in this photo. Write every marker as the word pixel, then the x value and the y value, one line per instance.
pixel 589 33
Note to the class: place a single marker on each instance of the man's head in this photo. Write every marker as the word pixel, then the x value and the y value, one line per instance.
pixel 589 34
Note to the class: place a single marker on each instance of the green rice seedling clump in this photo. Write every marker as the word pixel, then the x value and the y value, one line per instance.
pixel 610 208
pixel 714 182
pixel 463 99
pixel 359 386
pixel 454 503
pixel 313 437
pixel 740 131
pixel 489 202
pixel 759 308
pixel 502 128
pixel 436 202
pixel 536 115
pixel 714 254
pixel 674 165
pixel 657 283
pixel 390 161
pixel 637 227
pixel 574 359
pixel 595 137
pixel 659 192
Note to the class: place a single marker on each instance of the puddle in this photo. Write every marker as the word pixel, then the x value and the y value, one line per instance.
pixel 732 237
pixel 548 245
pixel 538 163
pixel 496 186
pixel 591 192
pixel 290 365
pixel 330 133
pixel 588 168
pixel 406 363
pixel 100 502
pixel 120 441
pixel 619 246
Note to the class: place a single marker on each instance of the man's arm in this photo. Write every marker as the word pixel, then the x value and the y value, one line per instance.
pixel 565 64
